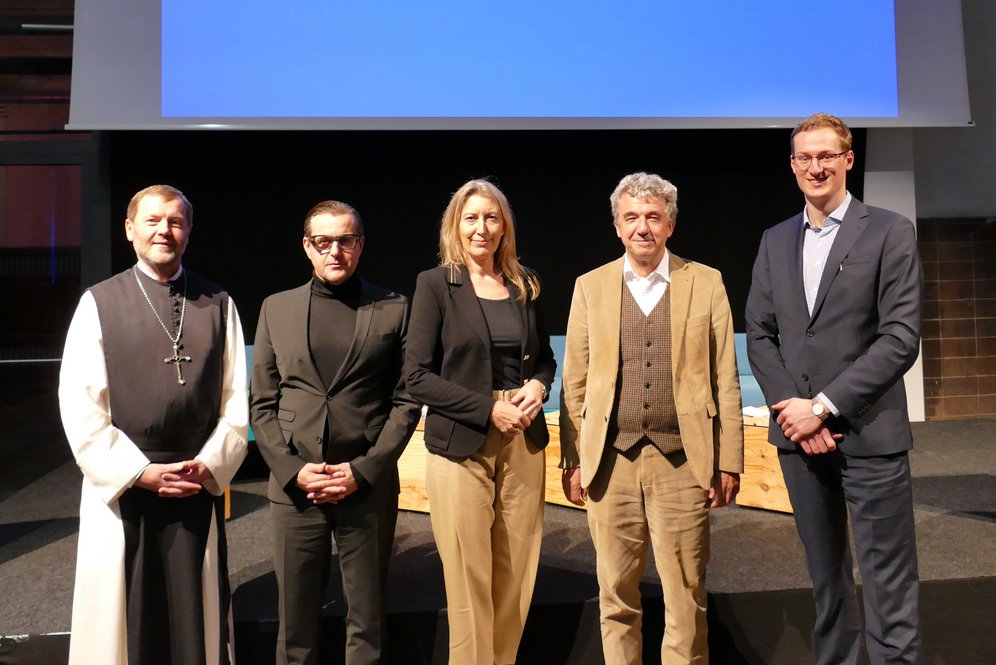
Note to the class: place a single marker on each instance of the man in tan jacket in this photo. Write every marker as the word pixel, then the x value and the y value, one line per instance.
pixel 650 424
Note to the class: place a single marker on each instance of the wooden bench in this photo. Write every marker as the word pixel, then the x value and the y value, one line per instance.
pixel 761 484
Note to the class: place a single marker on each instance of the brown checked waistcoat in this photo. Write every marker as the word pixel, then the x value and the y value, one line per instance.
pixel 644 404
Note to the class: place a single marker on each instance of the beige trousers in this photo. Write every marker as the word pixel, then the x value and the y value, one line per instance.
pixel 640 498
pixel 487 519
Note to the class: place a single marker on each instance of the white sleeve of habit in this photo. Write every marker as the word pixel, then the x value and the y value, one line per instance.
pixel 225 449
pixel 108 458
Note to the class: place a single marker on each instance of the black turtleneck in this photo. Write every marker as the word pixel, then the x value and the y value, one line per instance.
pixel 331 323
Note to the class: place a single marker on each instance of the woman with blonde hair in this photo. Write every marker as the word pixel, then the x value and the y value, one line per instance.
pixel 479 357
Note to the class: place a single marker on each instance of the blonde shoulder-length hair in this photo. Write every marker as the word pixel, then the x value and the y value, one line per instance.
pixel 506 261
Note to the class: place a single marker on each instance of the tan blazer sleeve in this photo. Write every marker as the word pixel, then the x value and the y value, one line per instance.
pixel 574 378
pixel 728 425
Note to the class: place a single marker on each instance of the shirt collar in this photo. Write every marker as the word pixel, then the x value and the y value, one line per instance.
pixel 835 217
pixel 663 269
pixel 151 275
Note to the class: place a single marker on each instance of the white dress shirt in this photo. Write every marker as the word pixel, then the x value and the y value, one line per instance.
pixel 648 291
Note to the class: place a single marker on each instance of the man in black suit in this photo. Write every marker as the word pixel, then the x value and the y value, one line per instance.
pixel 833 323
pixel 331 417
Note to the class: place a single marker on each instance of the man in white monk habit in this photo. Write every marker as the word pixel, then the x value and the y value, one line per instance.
pixel 154 404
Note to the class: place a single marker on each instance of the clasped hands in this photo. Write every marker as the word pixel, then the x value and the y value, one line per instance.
pixel 802 426
pixel 176 480
pixel 326 483
pixel 514 416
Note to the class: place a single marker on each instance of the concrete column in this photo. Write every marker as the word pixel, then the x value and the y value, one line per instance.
pixel 889 183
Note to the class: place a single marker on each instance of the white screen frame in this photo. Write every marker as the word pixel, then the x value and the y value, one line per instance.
pixel 117 73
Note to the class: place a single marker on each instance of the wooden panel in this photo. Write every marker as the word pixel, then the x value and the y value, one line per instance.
pixel 554 488
pixel 761 485
pixel 38 46
pixel 36 8
pixel 411 470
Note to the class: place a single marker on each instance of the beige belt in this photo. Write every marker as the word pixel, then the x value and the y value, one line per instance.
pixel 504 395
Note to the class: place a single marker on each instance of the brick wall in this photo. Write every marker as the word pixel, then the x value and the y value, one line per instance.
pixel 959 317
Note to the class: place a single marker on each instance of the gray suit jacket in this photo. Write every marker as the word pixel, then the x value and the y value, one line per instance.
pixel 369 414
pixel 863 335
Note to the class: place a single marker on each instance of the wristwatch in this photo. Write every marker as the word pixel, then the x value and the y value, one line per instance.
pixel 546 391
pixel 818 409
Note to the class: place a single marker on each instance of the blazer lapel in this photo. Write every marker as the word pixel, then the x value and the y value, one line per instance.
pixel 851 228
pixel 297 323
pixel 524 313
pixel 466 303
pixel 364 315
pixel 794 252
pixel 680 284
pixel 604 338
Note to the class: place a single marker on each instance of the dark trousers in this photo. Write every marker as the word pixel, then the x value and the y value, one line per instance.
pixel 363 528
pixel 877 491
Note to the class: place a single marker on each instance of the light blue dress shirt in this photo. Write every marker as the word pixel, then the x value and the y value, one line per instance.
pixel 816 246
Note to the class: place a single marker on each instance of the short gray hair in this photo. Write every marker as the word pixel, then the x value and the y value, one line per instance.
pixel 643 186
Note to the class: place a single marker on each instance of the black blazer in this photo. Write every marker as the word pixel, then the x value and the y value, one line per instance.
pixel 369 415
pixel 863 335
pixel 448 361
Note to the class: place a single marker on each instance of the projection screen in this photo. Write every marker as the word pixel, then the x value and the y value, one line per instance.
pixel 515 64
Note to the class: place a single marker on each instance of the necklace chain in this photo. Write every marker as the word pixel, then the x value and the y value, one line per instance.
pixel 183 308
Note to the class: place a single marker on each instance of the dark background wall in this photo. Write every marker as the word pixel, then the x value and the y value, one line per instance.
pixel 251 190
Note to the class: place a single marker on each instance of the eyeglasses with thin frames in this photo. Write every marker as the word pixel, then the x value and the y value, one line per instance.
pixel 323 244
pixel 802 162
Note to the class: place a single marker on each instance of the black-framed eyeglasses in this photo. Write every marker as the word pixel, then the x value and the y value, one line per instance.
pixel 323 244
pixel 824 160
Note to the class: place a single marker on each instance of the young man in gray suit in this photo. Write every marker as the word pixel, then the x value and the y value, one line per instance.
pixel 331 417
pixel 833 323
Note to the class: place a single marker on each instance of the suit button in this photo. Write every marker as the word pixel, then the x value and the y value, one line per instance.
pixel 646 405
pixel 805 377
pixel 649 364
pixel 810 333
pixel 328 398
pixel 649 343
pixel 647 386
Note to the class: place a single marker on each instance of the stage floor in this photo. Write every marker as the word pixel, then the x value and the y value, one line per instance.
pixel 756 556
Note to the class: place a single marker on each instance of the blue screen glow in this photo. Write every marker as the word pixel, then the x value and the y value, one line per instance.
pixel 528 58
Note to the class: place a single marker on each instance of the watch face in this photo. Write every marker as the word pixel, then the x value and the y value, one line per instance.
pixel 818 409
